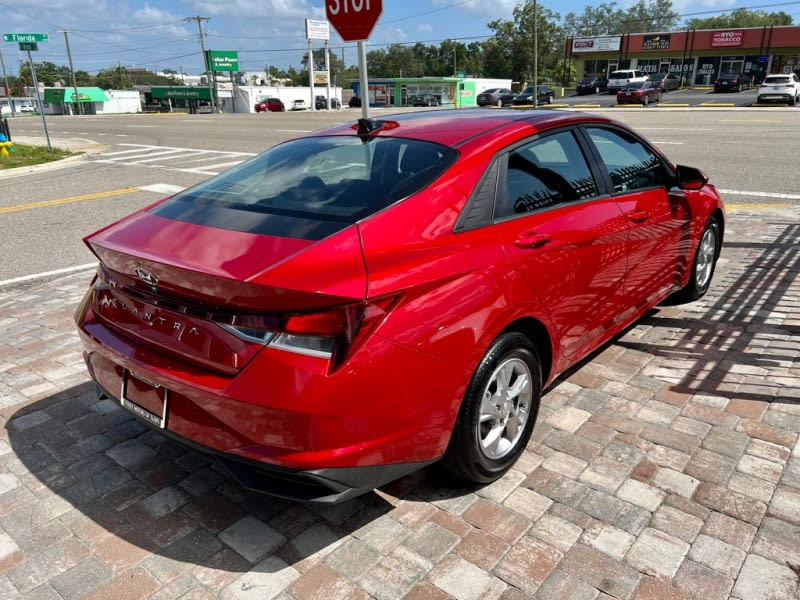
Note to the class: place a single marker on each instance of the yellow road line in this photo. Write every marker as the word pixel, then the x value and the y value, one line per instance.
pixel 85 197
pixel 729 206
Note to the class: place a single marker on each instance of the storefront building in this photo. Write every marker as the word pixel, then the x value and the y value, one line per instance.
pixel 697 56
pixel 458 91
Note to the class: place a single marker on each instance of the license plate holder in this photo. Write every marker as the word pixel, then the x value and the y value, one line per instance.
pixel 144 398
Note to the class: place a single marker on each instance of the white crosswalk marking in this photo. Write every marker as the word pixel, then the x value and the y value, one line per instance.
pixel 186 160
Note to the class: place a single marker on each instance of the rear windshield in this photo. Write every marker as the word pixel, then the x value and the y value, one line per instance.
pixel 729 76
pixel 777 80
pixel 620 75
pixel 634 86
pixel 310 188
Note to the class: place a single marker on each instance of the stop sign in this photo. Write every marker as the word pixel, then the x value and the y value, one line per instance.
pixel 353 19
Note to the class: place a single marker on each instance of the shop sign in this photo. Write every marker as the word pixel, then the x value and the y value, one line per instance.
pixel 223 60
pixel 317 30
pixel 724 39
pixel 656 42
pixel 181 93
pixel 597 44
pixel 320 77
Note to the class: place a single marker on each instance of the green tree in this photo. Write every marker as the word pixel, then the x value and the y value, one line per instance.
pixel 83 78
pixel 114 78
pixel 334 63
pixel 608 18
pixel 47 73
pixel 741 17
pixel 531 20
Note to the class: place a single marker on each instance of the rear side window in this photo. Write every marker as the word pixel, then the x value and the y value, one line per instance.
pixel 545 173
pixel 311 187
pixel 631 164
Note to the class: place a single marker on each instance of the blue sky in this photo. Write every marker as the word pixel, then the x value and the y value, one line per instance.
pixel 154 34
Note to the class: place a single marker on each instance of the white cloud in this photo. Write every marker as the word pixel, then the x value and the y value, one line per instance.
pixel 489 9
pixel 424 28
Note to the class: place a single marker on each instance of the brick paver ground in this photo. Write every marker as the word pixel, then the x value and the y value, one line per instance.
pixel 667 466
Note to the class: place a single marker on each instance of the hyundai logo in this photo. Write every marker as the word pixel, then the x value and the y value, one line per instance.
pixel 146 276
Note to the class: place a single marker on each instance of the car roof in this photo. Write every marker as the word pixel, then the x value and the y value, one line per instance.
pixel 453 127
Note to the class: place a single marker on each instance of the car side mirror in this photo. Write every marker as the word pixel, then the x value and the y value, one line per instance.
pixel 690 178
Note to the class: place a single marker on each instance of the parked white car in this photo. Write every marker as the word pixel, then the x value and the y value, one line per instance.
pixel 619 79
pixel 298 104
pixel 27 107
pixel 780 88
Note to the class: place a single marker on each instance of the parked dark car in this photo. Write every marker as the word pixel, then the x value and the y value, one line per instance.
pixel 424 100
pixel 321 103
pixel 666 81
pixel 592 85
pixel 544 96
pixel 360 302
pixel 355 102
pixel 731 82
pixel 639 92
pixel 270 105
pixel 496 97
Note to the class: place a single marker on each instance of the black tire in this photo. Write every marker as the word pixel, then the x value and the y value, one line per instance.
pixel 705 261
pixel 471 455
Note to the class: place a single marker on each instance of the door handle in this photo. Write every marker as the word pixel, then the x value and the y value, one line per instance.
pixel 639 216
pixel 533 240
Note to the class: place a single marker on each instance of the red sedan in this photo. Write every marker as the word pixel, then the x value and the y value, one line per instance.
pixel 639 92
pixel 355 304
pixel 270 104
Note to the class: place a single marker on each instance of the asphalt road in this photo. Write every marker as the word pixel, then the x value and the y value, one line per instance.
pixel 140 158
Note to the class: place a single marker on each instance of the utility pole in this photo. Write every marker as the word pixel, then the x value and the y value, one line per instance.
pixel 72 71
pixel 7 88
pixel 200 20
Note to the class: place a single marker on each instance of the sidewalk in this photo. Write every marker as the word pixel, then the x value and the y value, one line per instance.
pixel 668 466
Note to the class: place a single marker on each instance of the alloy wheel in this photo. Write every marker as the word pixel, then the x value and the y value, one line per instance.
pixel 705 258
pixel 505 408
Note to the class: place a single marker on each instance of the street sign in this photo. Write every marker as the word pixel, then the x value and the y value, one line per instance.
pixel 353 19
pixel 29 46
pixel 25 37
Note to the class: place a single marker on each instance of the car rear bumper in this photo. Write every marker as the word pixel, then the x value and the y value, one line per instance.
pixel 774 97
pixel 359 426
pixel 318 486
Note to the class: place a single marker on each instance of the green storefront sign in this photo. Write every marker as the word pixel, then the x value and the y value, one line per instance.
pixel 223 60
pixel 181 93
pixel 69 96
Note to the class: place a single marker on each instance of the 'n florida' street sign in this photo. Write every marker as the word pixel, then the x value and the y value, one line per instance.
pixel 25 37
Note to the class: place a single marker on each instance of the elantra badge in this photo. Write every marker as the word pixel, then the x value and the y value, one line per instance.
pixel 146 276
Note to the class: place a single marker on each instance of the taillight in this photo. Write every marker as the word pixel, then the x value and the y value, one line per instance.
pixel 331 334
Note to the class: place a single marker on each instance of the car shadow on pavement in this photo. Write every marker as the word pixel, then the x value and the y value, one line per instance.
pixel 133 496
pixel 736 343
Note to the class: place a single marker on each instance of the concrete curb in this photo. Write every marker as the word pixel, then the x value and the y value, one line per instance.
pixel 81 146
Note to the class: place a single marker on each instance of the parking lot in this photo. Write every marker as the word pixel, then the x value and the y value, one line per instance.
pixel 699 98
pixel 665 466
